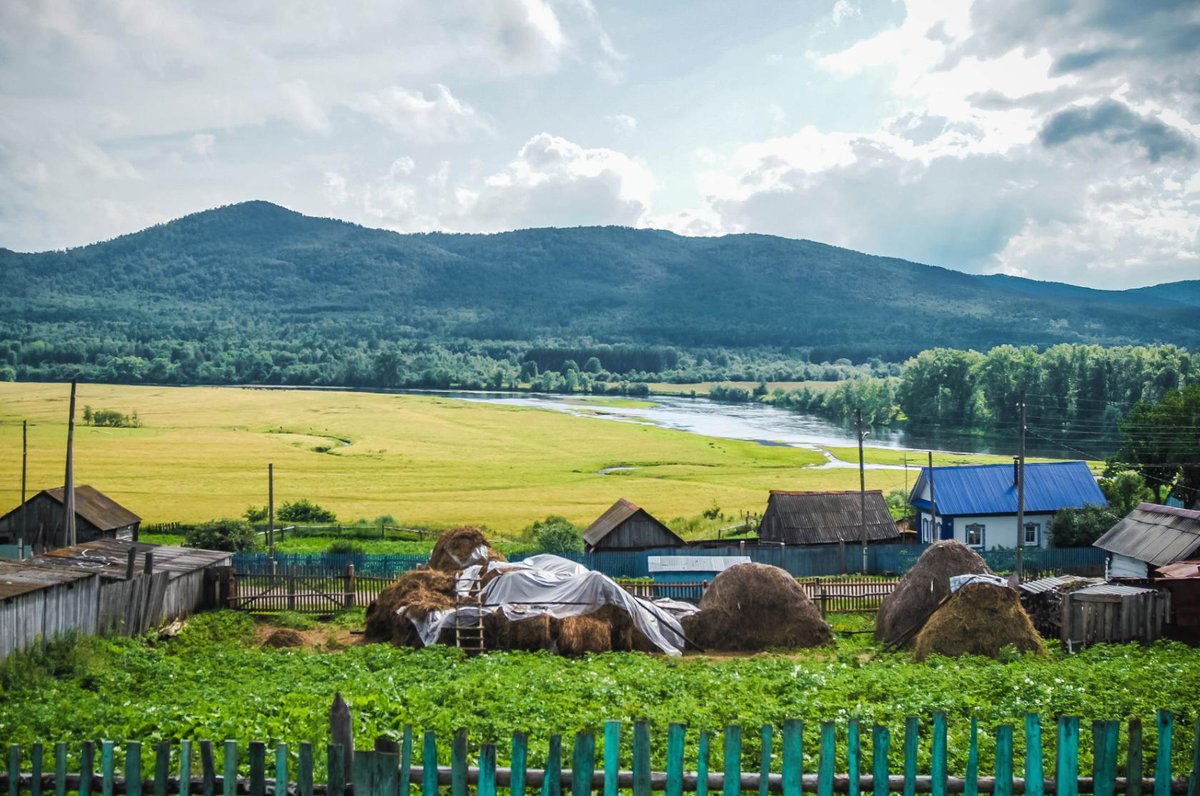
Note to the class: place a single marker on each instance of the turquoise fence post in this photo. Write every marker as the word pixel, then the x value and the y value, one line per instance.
pixel 911 737
pixel 675 744
pixel 162 768
pixel 764 768
pixel 133 767
pixel 793 757
pixel 336 770
pixel 60 768
pixel 733 761
pixel 702 753
pixel 106 768
pixel 520 757
pixel 1133 759
pixel 612 756
pixel 406 750
pixel 583 763
pixel 1067 769
pixel 880 739
pixel 853 754
pixel 1162 763
pixel 825 759
pixel 1034 776
pixel 641 758
pixel 458 764
pixel 304 770
pixel 14 769
pixel 1104 758
pixel 35 767
pixel 971 780
pixel 87 768
pixel 487 770
pixel 429 766
pixel 208 770
pixel 552 783
pixel 937 756
pixel 185 768
pixel 281 770
pixel 1194 777
pixel 229 770
pixel 258 768
pixel 1004 760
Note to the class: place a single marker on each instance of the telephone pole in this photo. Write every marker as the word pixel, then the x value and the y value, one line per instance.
pixel 862 487
pixel 933 529
pixel 69 485
pixel 24 470
pixel 1021 494
pixel 271 508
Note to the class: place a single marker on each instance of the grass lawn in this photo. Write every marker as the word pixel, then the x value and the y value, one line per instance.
pixel 203 452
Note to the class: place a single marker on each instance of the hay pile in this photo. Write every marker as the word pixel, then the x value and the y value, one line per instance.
pixel 579 635
pixel 905 611
pixel 284 637
pixel 419 592
pixel 979 619
pixel 751 607
pixel 460 548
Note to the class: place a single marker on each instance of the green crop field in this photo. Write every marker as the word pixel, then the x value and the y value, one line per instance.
pixel 202 453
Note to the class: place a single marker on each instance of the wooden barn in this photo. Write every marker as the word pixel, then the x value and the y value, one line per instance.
pixel 42 517
pixel 797 518
pixel 44 602
pixel 627 526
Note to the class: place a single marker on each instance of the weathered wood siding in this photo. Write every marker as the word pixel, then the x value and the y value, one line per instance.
pixel 638 532
pixel 48 613
pixel 45 526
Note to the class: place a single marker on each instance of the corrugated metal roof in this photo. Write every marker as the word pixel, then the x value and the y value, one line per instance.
pixel 1043 585
pixel 991 488
pixel 825 517
pixel 616 514
pixel 1117 589
pixel 1155 534
pixel 110 557
pixel 1181 569
pixel 21 577
pixel 97 508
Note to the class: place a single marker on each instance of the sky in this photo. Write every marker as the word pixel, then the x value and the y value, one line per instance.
pixel 1052 139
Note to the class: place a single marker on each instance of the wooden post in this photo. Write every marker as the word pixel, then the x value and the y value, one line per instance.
pixel 341 732
pixel 291 592
pixel 130 562
pixel 271 510
pixel 1021 498
pixel 934 535
pixel 862 487
pixel 351 587
pixel 24 468
pixel 69 483
pixel 149 566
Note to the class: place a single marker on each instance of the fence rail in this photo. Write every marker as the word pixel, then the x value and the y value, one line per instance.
pixel 307 592
pixel 392 769
pixel 831 596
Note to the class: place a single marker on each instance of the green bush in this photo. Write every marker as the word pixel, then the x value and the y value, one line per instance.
pixel 303 510
pixel 556 535
pixel 232 535
pixel 1081 527
pixel 345 547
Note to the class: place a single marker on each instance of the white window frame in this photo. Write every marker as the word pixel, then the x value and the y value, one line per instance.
pixel 1037 534
pixel 981 527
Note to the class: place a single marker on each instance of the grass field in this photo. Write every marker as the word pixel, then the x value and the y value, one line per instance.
pixel 203 453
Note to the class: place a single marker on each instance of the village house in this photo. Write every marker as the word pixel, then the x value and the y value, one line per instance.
pixel 627 526
pixel 801 518
pixel 1149 537
pixel 977 504
pixel 40 525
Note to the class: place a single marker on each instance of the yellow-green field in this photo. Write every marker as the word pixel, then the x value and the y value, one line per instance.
pixel 203 453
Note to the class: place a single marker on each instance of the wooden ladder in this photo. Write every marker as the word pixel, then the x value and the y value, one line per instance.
pixel 470 637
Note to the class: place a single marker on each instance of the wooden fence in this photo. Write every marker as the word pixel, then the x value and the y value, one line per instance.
pixel 392 769
pixel 831 596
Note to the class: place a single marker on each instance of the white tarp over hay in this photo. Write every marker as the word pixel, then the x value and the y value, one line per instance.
pixel 549 584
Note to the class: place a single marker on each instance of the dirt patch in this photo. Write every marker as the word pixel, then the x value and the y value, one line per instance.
pixel 460 548
pixel 284 637
pixel 327 638
pixel 753 607
pixel 978 619
pixel 906 610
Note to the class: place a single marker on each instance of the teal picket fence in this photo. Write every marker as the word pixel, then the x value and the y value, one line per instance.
pixel 417 764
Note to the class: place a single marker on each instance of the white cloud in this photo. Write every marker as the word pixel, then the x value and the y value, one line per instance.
pixel 202 144
pixel 303 108
pixel 843 10
pixel 441 117
pixel 622 123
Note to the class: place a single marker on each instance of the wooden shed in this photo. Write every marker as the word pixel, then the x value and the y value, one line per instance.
pixel 1113 612
pixel 44 602
pixel 825 518
pixel 1182 580
pixel 1150 536
pixel 627 526
pixel 42 517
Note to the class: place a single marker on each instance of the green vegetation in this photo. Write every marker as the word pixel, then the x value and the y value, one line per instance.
pixel 1160 441
pixel 110 418
pixel 304 510
pixel 555 535
pixel 232 535
pixel 1081 527
pixel 213 682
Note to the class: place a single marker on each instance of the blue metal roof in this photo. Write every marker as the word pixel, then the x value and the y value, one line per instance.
pixel 990 488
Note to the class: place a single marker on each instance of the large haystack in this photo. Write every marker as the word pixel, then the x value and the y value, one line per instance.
pixel 460 548
pixel 978 619
pixel 418 592
pixel 751 607
pixel 905 611
pixel 579 635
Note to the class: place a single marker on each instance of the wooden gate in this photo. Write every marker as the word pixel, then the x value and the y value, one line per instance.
pixel 318 592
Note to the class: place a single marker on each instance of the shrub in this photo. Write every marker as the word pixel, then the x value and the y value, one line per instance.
pixel 232 535
pixel 304 510
pixel 556 535
pixel 1081 527
pixel 345 547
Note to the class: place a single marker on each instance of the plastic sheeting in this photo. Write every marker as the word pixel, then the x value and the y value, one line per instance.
pixel 548 584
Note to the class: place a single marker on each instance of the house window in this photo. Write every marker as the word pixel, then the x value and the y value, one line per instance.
pixel 975 535
pixel 1033 533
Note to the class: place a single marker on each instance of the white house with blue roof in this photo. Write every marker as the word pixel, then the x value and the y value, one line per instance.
pixel 977 504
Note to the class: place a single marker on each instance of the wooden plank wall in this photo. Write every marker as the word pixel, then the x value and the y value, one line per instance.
pixel 48 613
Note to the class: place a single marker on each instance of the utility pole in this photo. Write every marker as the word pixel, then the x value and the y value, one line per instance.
pixel 69 485
pixel 1021 494
pixel 933 529
pixel 271 508
pixel 24 470
pixel 862 487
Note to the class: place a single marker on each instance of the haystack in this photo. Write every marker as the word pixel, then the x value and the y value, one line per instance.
pixel 906 610
pixel 978 619
pixel 531 633
pixel 284 637
pixel 579 635
pixel 460 548
pixel 751 607
pixel 418 592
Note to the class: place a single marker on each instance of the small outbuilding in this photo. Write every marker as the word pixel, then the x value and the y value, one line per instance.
pixel 800 518
pixel 627 526
pixel 1148 537
pixel 40 603
pixel 40 525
